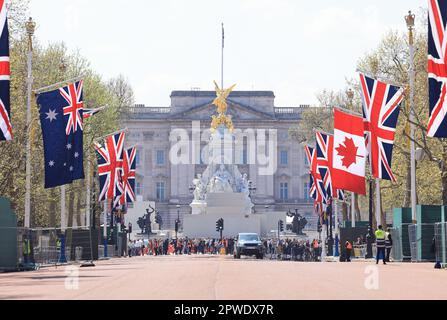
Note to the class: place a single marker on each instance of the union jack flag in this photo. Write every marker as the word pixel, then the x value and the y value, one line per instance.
pixel 87 113
pixel 110 163
pixel 73 95
pixel 324 151
pixel 381 103
pixel 316 188
pixel 128 176
pixel 5 115
pixel 437 68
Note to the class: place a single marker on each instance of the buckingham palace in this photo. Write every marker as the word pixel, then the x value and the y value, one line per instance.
pixel 169 184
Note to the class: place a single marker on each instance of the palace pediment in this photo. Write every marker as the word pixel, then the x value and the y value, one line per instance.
pixel 236 110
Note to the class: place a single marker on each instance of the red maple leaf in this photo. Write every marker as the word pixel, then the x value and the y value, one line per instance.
pixel 348 152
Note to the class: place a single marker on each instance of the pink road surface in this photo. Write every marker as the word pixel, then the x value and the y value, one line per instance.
pixel 221 277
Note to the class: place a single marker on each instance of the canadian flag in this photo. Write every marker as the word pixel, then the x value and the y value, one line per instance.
pixel 349 153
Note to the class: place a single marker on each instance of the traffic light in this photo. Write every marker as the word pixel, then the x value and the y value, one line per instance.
pixel 219 225
pixel 281 225
pixel 176 225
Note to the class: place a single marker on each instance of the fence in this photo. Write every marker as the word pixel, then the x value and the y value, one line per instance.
pixel 441 242
pixel 31 248
pixel 420 238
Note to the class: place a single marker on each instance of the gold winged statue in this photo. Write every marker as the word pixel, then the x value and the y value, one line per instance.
pixel 221 103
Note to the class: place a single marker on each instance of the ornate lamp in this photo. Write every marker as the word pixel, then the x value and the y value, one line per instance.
pixel 30 26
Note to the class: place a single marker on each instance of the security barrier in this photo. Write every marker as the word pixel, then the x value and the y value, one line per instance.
pixel 52 246
pixel 440 242
pixel 420 238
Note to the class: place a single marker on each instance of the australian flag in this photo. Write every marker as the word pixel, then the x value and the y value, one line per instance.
pixel 61 118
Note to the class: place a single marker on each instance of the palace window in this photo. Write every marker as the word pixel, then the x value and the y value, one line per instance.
pixel 306 191
pixel 244 156
pixel 138 188
pixel 306 161
pixel 137 157
pixel 284 157
pixel 160 187
pixel 160 157
pixel 284 191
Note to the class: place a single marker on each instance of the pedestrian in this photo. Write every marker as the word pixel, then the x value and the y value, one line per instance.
pixel 129 248
pixel 316 249
pixel 26 250
pixel 388 244
pixel 348 246
pixel 380 242
pixel 142 248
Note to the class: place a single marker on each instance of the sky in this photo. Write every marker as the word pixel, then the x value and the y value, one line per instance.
pixel 294 48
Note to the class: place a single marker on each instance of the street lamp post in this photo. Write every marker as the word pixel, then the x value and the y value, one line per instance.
pixel 369 239
pixel 30 28
pixel 350 94
pixel 177 223
pixel 409 19
pixel 330 240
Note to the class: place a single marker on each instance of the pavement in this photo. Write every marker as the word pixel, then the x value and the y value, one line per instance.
pixel 223 278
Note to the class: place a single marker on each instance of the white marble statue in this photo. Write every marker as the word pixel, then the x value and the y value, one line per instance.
pixel 244 185
pixel 200 188
pixel 221 181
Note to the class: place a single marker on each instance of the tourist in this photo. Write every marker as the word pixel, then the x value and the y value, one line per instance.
pixel 348 247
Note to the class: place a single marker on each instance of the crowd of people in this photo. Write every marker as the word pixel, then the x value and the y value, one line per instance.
pixel 180 246
pixel 290 249
pixel 283 249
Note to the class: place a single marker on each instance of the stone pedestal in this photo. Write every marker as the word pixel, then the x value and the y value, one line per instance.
pixel 234 209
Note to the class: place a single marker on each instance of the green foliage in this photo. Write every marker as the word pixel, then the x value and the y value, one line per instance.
pixel 390 62
pixel 51 64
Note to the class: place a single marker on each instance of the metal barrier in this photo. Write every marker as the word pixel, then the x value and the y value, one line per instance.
pixel 420 239
pixel 440 242
pixel 396 251
pixel 359 251
pixel 46 244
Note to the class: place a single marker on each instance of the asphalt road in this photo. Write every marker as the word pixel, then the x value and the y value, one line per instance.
pixel 222 277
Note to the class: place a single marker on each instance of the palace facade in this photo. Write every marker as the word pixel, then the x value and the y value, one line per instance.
pixel 169 185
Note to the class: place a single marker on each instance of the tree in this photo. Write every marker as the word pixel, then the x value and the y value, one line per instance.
pixel 51 64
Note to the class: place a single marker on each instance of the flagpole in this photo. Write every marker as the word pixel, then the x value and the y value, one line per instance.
pixel 63 216
pixel 222 65
pixel 87 200
pixel 58 84
pixel 336 215
pixel 105 227
pixel 352 210
pixel 378 204
pixel 30 28
pixel 410 24
pixel 110 134
pixel 323 239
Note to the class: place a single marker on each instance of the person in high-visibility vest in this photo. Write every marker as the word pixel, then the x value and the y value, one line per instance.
pixel 26 250
pixel 380 242
pixel 348 247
